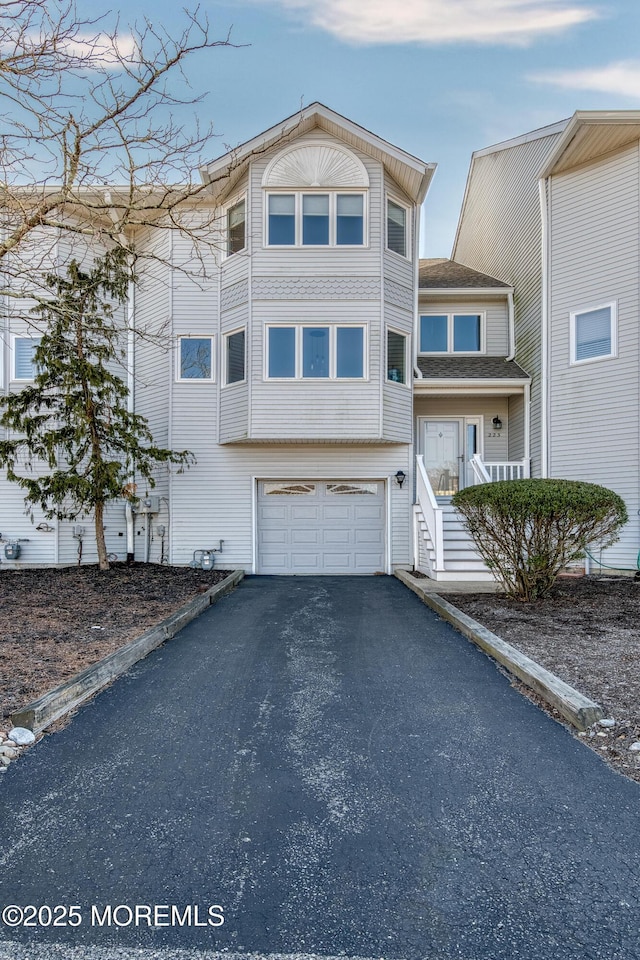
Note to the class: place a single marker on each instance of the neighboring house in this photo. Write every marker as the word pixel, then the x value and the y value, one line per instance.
pixel 557 214
pixel 336 390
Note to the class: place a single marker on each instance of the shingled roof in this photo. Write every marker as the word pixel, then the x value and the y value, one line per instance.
pixel 440 273
pixel 470 368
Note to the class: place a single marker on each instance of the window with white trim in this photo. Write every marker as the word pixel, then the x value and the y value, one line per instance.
pixel 235 358
pixel 396 357
pixel 316 352
pixel 397 224
pixel 237 227
pixel 593 333
pixel 451 333
pixel 24 367
pixel 195 358
pixel 327 219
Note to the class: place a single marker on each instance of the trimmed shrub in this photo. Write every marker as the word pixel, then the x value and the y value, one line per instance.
pixel 528 530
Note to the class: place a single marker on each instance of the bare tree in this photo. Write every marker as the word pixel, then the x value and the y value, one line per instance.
pixel 90 143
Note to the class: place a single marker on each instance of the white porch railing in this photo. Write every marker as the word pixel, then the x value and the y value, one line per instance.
pixel 431 512
pixel 507 470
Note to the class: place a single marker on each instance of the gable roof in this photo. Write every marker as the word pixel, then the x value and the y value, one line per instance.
pixel 440 273
pixel 591 134
pixel 410 173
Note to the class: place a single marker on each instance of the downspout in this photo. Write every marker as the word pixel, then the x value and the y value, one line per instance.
pixel 512 326
pixel 128 508
pixel 544 344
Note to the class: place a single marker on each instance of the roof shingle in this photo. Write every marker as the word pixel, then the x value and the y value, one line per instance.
pixel 470 368
pixel 441 273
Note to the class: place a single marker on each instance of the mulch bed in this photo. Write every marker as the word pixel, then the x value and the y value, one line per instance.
pixel 56 622
pixel 587 632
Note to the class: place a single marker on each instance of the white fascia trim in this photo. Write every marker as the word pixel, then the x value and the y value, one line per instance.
pixel 444 383
pixel 538 134
pixel 281 130
pixel 465 291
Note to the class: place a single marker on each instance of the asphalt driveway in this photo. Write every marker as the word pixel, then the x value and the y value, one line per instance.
pixel 335 772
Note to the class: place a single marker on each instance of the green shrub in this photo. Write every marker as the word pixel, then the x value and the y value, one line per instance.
pixel 528 530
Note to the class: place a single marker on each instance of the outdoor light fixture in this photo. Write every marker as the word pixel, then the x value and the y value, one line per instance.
pixel 497 423
pixel 400 478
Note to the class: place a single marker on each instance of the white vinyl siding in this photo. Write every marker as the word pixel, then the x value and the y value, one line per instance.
pixel 595 406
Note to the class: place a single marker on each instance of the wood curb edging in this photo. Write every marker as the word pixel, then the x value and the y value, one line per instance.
pixel 72 693
pixel 579 710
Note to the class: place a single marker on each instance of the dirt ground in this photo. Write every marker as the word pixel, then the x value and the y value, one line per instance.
pixel 56 622
pixel 587 632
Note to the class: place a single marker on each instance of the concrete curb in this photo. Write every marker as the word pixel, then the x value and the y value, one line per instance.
pixel 579 710
pixel 73 692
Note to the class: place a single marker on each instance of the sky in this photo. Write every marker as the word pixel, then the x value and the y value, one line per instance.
pixel 438 78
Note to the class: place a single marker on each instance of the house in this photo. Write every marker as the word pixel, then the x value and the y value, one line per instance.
pixel 556 214
pixel 336 390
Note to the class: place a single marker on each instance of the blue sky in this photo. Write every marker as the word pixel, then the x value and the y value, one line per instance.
pixel 439 78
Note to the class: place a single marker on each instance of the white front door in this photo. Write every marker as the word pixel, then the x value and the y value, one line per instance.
pixel 448 447
pixel 441 455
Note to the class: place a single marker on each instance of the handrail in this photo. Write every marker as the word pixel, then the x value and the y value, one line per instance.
pixel 489 471
pixel 479 470
pixel 431 512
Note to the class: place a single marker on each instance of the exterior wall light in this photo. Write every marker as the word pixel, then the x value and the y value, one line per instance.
pixel 497 423
pixel 400 478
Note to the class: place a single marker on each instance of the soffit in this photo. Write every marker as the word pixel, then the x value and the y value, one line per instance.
pixel 590 136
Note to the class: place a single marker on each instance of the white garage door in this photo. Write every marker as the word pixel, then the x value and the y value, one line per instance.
pixel 321 527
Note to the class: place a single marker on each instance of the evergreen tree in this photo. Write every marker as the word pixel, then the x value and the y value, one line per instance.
pixel 73 443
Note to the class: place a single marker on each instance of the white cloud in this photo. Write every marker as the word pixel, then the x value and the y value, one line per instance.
pixel 621 78
pixel 442 21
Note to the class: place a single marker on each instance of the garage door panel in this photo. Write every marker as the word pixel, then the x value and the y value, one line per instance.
pixel 304 512
pixel 336 536
pixel 332 512
pixel 306 536
pixel 315 527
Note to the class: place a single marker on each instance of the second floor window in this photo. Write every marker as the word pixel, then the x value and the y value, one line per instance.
pixel 315 219
pixel 237 227
pixel 451 333
pixel 316 352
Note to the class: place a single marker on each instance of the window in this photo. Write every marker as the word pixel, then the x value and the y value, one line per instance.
pixel 195 358
pixel 593 334
pixel 451 333
pixel 316 352
pixel 235 357
pixel 282 220
pixel 237 227
pixel 315 219
pixel 23 364
pixel 396 357
pixel 396 228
